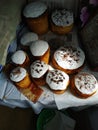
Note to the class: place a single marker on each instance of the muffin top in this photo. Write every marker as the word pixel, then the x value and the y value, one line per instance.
pixel 57 80
pixel 17 74
pixel 34 9
pixel 62 17
pixel 86 83
pixel 18 57
pixel 39 47
pixel 69 57
pixel 28 37
pixel 38 68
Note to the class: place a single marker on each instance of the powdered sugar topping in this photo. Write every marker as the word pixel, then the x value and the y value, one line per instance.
pixel 39 47
pixel 57 80
pixel 38 68
pixel 86 83
pixel 69 57
pixel 62 17
pixel 34 9
pixel 18 57
pixel 18 74
pixel 28 37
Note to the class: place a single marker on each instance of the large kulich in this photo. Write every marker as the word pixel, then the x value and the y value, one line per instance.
pixel 84 85
pixel 62 21
pixel 68 59
pixel 36 16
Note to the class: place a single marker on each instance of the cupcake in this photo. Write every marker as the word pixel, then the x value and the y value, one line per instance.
pixel 84 85
pixel 20 77
pixel 26 39
pixel 68 59
pixel 40 50
pixel 57 81
pixel 36 17
pixel 62 21
pixel 20 58
pixel 38 70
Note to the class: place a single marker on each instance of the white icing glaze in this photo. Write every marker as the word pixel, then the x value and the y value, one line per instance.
pixel 34 9
pixel 38 68
pixel 18 57
pixel 62 17
pixel 18 74
pixel 39 47
pixel 69 57
pixel 86 83
pixel 28 37
pixel 57 80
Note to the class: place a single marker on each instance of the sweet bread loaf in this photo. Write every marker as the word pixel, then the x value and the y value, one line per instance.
pixel 84 85
pixel 68 59
pixel 40 50
pixel 20 77
pixel 26 39
pixel 20 58
pixel 57 81
pixel 36 17
pixel 62 21
pixel 38 70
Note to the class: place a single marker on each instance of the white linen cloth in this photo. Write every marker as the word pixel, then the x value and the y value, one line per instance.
pixel 67 99
pixel 10 96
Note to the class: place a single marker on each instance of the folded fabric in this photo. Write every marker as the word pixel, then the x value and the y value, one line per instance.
pixel 60 122
pixel 10 16
pixel 3 85
pixel 10 96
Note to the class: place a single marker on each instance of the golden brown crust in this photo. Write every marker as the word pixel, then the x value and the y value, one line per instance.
pixel 38 25
pixel 76 92
pixel 26 63
pixel 25 83
pixel 39 81
pixel 44 57
pixel 55 65
pixel 59 29
pixel 59 91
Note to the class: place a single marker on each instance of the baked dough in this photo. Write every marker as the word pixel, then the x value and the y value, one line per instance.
pixel 68 59
pixel 84 85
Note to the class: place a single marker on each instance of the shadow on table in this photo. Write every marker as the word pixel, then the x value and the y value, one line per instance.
pixel 86 119
pixel 17 119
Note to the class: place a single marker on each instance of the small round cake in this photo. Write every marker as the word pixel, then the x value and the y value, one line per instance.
pixel 57 81
pixel 68 59
pixel 36 16
pixel 20 77
pixel 40 50
pixel 20 58
pixel 38 70
pixel 84 85
pixel 27 39
pixel 62 21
